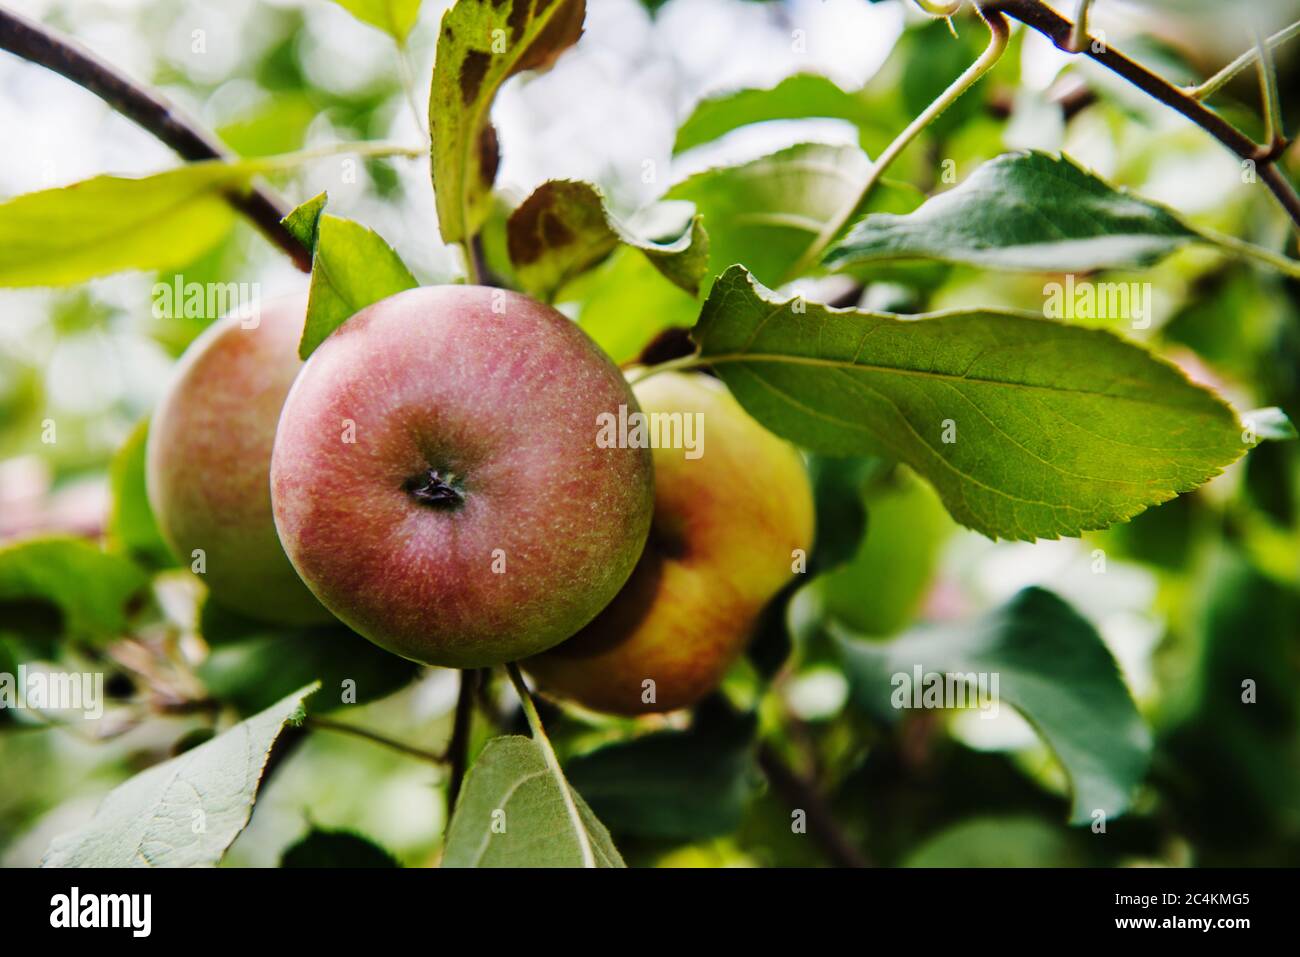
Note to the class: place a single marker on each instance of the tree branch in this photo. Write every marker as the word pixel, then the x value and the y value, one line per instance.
pixel 39 44
pixel 1037 16
pixel 458 747
pixel 801 796
pixel 1209 87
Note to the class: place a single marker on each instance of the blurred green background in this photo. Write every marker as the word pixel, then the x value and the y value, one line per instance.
pixel 1198 595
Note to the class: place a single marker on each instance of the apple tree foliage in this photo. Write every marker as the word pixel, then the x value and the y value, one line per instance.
pixel 877 302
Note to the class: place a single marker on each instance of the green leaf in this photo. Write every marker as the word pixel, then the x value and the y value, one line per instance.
pixel 1231 721
pixel 770 213
pixel 1026 211
pixel 322 848
pixel 394 17
pixel 801 96
pixel 603 296
pixel 674 785
pixel 1270 423
pixel 839 487
pixel 1050 665
pixel 90 589
pixel 881 588
pixel 481 44
pixel 996 842
pixel 563 229
pixel 352 268
pixel 67 235
pixel 184 812
pixel 1027 428
pixel 132 527
pixel 273 126
pixel 304 220
pixel 513 813
pixel 253 664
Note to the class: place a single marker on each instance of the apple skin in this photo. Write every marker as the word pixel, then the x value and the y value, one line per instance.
pixel 475 443
pixel 208 460
pixel 726 525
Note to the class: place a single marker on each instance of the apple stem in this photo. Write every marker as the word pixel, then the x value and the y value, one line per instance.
pixel 692 361
pixel 552 762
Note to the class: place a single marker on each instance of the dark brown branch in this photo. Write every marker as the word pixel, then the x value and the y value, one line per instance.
pixel 39 44
pixel 800 795
pixel 1036 15
pixel 458 747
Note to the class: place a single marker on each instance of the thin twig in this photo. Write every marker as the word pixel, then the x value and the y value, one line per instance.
pixel 802 796
pixel 1079 35
pixel 1215 83
pixel 1271 104
pixel 407 76
pixel 458 748
pixel 326 724
pixel 41 45
pixel 1038 16
pixel 999 32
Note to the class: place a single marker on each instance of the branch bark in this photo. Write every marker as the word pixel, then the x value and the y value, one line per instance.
pixel 37 43
pixel 458 747
pixel 1037 16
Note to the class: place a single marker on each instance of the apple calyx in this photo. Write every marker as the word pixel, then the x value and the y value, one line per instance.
pixel 436 488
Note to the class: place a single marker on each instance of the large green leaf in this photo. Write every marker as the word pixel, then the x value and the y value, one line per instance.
pixel 184 812
pixel 107 224
pixel 515 812
pixel 1050 665
pixel 563 229
pixel 1027 428
pixel 771 214
pixel 481 44
pixel 394 17
pixel 676 785
pixel 351 268
pixel 89 590
pixel 1029 210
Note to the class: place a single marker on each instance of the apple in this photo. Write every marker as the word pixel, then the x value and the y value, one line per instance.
pixel 438 481
pixel 208 460
pixel 728 528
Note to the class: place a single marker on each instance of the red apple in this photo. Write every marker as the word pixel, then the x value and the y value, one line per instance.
pixel 438 483
pixel 209 460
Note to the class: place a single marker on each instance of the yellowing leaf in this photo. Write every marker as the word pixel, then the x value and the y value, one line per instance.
pixel 108 224
pixel 481 44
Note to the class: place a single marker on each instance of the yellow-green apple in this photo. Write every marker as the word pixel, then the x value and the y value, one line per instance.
pixel 438 481
pixel 731 519
pixel 209 460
